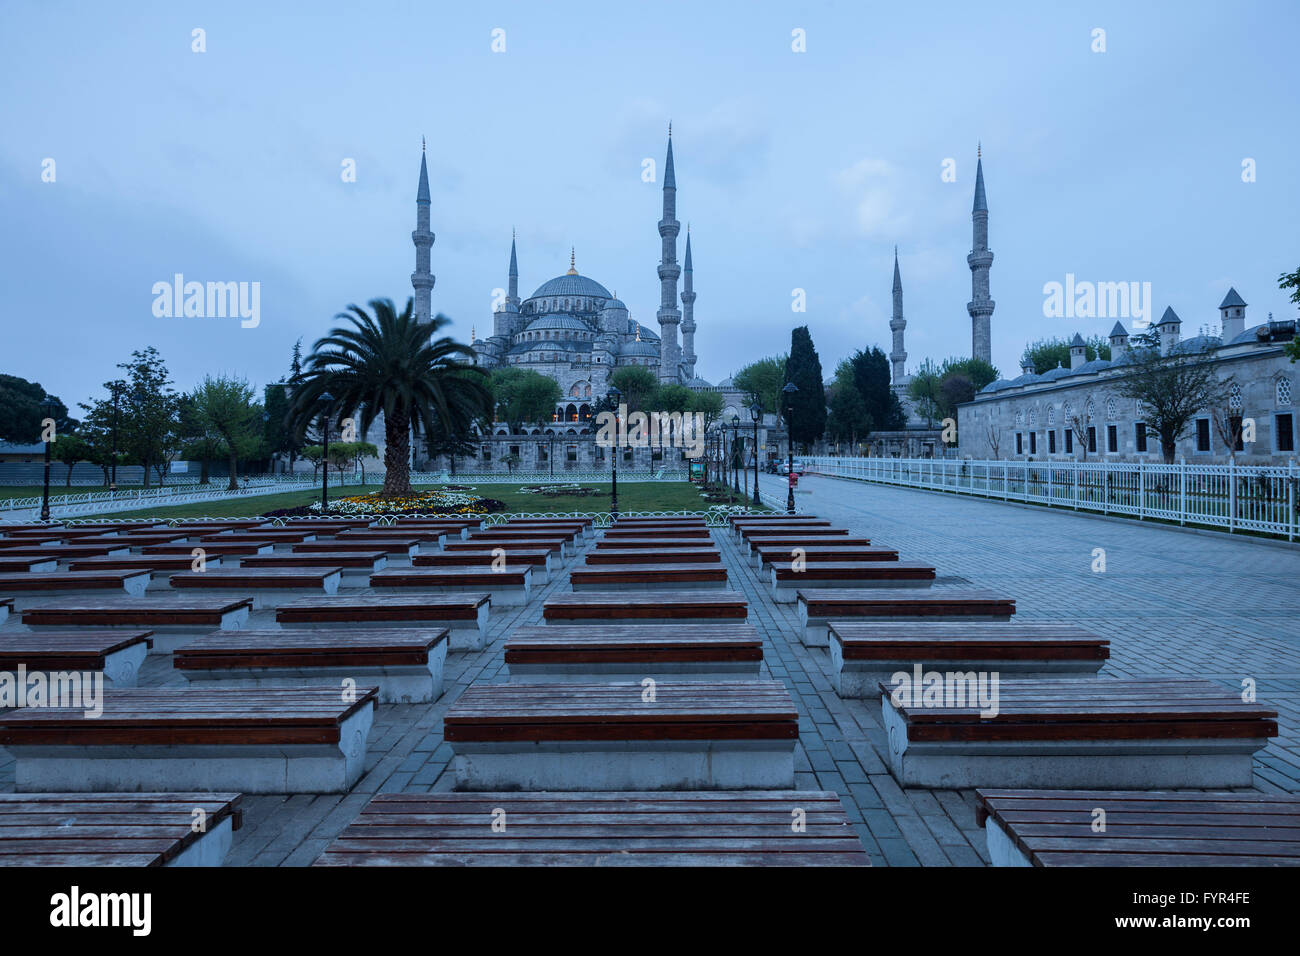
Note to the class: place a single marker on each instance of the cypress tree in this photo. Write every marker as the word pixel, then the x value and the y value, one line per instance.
pixel 804 369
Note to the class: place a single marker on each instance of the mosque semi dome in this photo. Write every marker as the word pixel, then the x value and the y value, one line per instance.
pixel 557 321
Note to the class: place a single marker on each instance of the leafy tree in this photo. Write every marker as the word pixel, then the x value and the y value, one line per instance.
pixel 954 389
pixel 449 445
pixel 510 461
pixel 391 363
pixel 1172 388
pixel 201 444
pixel 765 379
pixel 925 390
pixel 522 395
pixel 69 448
pixel 20 411
pixel 708 405
pixel 224 408
pixel 808 405
pixel 673 398
pixel 848 418
pixel 149 432
pixel 977 371
pixel 1046 354
pixel 96 430
pixel 277 436
pixel 313 455
pixel 638 385
pixel 872 380
pixel 1291 280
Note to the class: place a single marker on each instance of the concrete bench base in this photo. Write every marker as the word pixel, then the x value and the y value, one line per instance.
pixel 249 768
pixel 1093 764
pixel 1002 851
pixel 397 685
pixel 122 668
pixel 633 670
pixel 210 849
pixel 264 598
pixel 626 765
pixel 134 586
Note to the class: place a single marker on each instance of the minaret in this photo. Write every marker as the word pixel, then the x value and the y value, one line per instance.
pixel 980 306
pixel 422 277
pixel 688 314
pixel 512 294
pixel 669 317
pixel 896 325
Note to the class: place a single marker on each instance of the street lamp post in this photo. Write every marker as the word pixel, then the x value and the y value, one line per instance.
pixel 789 393
pixel 48 408
pixel 326 401
pixel 756 413
pixel 614 396
pixel 736 463
pixel 112 482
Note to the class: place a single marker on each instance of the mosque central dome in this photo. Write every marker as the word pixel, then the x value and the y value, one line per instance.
pixel 572 284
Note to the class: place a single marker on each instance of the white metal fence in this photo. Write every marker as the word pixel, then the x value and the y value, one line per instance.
pixel 104 502
pixel 1233 497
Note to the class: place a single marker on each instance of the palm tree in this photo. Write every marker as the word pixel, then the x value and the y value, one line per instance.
pixel 392 363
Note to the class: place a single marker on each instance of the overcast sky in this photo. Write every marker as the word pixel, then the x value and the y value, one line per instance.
pixel 796 170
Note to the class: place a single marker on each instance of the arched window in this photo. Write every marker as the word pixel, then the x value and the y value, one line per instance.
pixel 1234 398
pixel 1033 417
pixel 1051 416
pixel 1020 419
pixel 1283 391
pixel 1112 412
pixel 1089 410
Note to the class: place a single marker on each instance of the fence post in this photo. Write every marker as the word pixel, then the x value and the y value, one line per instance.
pixel 1232 494
pixel 1142 491
pixel 1182 491
pixel 1074 470
pixel 1290 500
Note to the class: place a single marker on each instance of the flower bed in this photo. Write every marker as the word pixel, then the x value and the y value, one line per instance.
pixel 559 491
pixel 419 502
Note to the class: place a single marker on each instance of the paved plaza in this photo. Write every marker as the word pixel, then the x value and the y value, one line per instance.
pixel 1171 603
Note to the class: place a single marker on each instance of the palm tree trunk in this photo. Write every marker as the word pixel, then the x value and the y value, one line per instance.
pixel 397 477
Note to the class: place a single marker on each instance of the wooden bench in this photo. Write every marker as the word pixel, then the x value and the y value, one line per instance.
pixel 695 534
pixel 432 538
pixel 818 607
pixel 730 735
pixel 322 526
pixel 254 740
pixel 651 544
pixel 220 524
pixel 26 587
pixel 610 608
pixel 173 620
pixel 159 566
pixel 118 655
pixel 811 535
pixel 1057 828
pixel 1086 732
pixel 355 566
pixel 753 545
pixel 464 615
pixel 649 577
pixel 557 652
pixel 53 533
pixel 117 829
pixel 8 544
pixel 559 547
pixel 406 664
pixel 815 554
pixel 396 548
pixel 745 517
pixel 566 541
pixel 131 540
pixel 862 655
pixel 792 525
pixel 707 555
pixel 538 559
pixel 281 540
pixel 65 552
pixel 225 549
pixel 38 565
pixel 266 586
pixel 509 587
pixel 788 580
pixel 712 828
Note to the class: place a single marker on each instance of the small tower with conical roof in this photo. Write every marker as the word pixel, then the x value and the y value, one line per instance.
pixel 980 259
pixel 1233 312
pixel 669 316
pixel 896 325
pixel 1170 326
pixel 422 278
pixel 1078 351
pixel 688 314
pixel 1118 342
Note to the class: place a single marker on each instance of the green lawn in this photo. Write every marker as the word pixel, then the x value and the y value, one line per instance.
pixel 632 496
